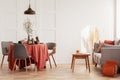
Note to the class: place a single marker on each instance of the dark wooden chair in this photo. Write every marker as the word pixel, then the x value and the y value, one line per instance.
pixel 52 48
pixel 5 45
pixel 20 53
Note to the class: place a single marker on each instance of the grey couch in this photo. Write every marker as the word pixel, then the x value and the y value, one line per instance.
pixel 108 52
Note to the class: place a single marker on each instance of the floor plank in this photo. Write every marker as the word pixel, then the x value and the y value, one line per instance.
pixel 61 72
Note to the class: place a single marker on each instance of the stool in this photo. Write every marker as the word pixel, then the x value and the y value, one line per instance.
pixel 109 68
pixel 80 56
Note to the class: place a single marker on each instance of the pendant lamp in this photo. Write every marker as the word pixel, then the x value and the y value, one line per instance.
pixel 29 11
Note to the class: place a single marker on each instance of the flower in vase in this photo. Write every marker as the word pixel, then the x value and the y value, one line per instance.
pixel 28 28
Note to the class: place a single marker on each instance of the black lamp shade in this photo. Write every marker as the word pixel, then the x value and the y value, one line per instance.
pixel 29 11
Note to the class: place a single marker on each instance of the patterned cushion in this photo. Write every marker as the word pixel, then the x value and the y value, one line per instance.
pixel 97 57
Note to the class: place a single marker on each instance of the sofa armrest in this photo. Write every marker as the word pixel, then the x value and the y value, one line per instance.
pixel 110 53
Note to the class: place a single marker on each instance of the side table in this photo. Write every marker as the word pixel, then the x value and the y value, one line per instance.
pixel 80 56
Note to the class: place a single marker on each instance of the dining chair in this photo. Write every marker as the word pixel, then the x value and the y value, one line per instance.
pixel 20 53
pixel 51 50
pixel 5 45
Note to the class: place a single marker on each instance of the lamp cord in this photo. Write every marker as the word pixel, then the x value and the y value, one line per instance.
pixel 29 3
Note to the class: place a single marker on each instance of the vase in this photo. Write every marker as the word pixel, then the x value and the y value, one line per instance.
pixel 28 40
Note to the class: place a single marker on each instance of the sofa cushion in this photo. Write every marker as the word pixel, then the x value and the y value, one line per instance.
pixel 117 42
pixel 108 45
pixel 109 42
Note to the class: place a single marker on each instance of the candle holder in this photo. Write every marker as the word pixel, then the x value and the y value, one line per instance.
pixel 77 51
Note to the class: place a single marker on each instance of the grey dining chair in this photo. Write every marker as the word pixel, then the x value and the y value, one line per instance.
pixel 20 53
pixel 5 45
pixel 52 48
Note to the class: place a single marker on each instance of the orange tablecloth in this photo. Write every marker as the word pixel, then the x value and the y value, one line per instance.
pixel 38 52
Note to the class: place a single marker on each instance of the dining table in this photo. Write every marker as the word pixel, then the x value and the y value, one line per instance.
pixel 38 53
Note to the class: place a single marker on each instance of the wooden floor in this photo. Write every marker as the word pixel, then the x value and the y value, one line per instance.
pixel 62 72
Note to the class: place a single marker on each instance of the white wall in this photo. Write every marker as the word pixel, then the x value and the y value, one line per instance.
pixel 46 20
pixel 118 19
pixel 58 20
pixel 7 22
pixel 72 16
